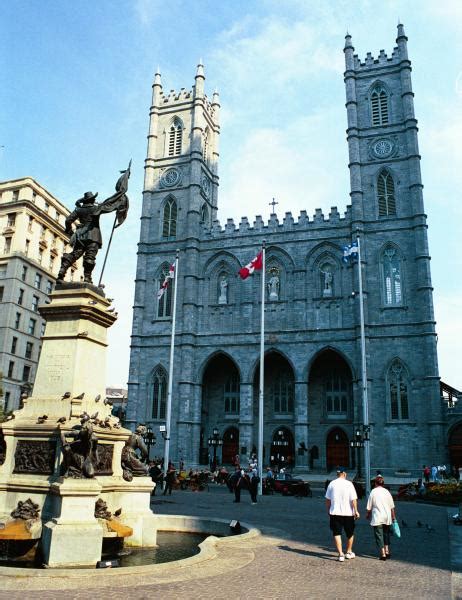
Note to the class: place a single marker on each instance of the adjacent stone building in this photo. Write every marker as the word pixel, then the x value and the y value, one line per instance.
pixel 32 240
pixel 313 399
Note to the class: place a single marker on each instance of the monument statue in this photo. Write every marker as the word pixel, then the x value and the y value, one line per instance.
pixel 86 240
pixel 328 280
pixel 80 456
pixel 273 286
pixel 132 465
pixel 223 297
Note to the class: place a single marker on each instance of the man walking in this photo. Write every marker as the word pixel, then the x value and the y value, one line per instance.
pixel 341 503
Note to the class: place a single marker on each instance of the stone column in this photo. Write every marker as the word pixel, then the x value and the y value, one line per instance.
pixel 246 420
pixel 301 424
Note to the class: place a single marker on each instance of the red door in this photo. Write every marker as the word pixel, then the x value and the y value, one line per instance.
pixel 230 445
pixel 337 449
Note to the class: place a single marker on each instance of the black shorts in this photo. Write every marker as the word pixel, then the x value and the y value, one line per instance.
pixel 339 523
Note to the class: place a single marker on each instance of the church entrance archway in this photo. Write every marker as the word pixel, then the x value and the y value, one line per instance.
pixel 230 445
pixel 455 446
pixel 337 449
pixel 220 403
pixel 282 449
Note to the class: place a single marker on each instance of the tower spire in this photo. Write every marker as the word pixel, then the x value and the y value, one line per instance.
pixel 200 78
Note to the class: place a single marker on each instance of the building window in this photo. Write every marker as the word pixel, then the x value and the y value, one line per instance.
pixel 20 296
pixel 27 247
pixel 1 293
pixel 15 195
pixel 281 391
pixel 11 219
pixel 49 288
pixel 386 194
pixel 47 207
pixel 42 328
pixel 14 343
pixel 34 197
pixel 7 400
pixel 24 273
pixel 29 225
pixel 29 349
pixel 35 302
pixel 164 305
pixel 232 395
pixel 379 106
pixel 17 321
pixel 205 149
pixel 10 368
pixel 40 256
pixel 175 135
pixel 26 373
pixel 398 389
pixel 32 324
pixel 159 394
pixel 38 281
pixel 56 215
pixel 51 265
pixel 337 391
pixel 169 222
pixel 391 263
pixel 7 246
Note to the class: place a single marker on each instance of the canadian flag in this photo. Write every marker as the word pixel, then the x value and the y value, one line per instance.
pixel 254 265
pixel 164 286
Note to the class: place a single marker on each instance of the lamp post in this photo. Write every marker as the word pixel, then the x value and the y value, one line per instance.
pixel 149 438
pixel 361 435
pixel 214 441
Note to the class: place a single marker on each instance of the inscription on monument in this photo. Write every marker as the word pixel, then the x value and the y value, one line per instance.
pixel 35 457
pixel 57 367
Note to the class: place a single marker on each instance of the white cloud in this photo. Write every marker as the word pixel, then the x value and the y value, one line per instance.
pixel 147 10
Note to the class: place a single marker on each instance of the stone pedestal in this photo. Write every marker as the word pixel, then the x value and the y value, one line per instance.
pixel 74 537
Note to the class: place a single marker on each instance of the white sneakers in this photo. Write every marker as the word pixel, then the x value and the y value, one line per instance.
pixel 350 555
pixel 341 558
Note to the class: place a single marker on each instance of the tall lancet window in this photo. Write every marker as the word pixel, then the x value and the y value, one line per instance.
pixel 386 194
pixel 379 106
pixel 169 219
pixel 175 136
pixel 159 394
pixel 398 390
pixel 164 304
pixel 391 264
pixel 205 145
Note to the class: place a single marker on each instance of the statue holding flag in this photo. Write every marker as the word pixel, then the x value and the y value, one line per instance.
pixel 86 240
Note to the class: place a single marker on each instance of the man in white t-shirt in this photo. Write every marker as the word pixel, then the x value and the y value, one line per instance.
pixel 341 502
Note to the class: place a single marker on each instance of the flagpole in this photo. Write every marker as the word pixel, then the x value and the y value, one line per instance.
pixel 367 458
pixel 262 374
pixel 170 372
pixel 107 251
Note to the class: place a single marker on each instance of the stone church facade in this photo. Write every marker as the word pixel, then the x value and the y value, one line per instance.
pixel 313 393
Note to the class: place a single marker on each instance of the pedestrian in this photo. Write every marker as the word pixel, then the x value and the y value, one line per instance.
pixel 434 473
pixel 341 503
pixel 426 473
pixel 239 477
pixel 381 512
pixel 169 480
pixel 254 480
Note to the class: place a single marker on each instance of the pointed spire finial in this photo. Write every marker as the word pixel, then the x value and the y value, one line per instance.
pixel 157 77
pixel 401 33
pixel 200 69
pixel 348 43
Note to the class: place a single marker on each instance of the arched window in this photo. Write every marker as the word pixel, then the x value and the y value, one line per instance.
pixel 204 214
pixel 379 106
pixel 232 395
pixel 175 135
pixel 386 194
pixel 164 305
pixel 281 390
pixel 169 219
pixel 337 392
pixel 205 145
pixel 159 394
pixel 392 289
pixel 398 390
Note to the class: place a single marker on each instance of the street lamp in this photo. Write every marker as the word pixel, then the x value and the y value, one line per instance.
pixel 214 441
pixel 149 438
pixel 361 435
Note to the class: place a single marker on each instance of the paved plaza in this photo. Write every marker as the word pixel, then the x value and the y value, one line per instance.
pixel 294 558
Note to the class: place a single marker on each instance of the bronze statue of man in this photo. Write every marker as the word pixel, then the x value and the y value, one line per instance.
pixel 86 240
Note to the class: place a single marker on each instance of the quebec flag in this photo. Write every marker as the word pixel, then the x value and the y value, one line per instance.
pixel 350 252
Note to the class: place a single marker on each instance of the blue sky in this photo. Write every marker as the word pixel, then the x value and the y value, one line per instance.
pixel 76 91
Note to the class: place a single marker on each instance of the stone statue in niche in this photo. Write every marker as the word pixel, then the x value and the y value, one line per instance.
pixel 273 285
pixel 327 281
pixel 223 297
pixel 80 457
pixel 132 464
